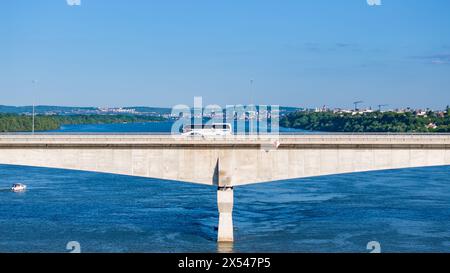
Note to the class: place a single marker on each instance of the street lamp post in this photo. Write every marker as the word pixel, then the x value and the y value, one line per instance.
pixel 33 103
pixel 32 129
pixel 251 103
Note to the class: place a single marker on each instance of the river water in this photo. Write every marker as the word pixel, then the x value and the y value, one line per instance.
pixel 403 210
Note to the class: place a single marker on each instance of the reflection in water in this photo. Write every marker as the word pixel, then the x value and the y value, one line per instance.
pixel 225 247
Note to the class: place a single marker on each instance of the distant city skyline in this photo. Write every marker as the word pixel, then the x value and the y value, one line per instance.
pixel 162 53
pixel 134 108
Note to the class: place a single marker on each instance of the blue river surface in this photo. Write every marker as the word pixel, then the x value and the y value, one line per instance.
pixel 404 210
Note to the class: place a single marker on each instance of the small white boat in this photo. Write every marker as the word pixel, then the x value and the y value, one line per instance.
pixel 18 187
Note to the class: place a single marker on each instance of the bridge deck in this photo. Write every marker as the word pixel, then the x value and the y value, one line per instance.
pixel 240 160
pixel 104 140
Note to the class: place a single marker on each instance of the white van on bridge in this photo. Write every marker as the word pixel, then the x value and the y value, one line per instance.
pixel 215 129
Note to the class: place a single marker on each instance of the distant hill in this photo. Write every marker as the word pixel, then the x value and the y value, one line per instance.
pixel 146 109
pixel 67 110
pixel 42 109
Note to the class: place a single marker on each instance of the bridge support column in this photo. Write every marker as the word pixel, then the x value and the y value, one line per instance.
pixel 225 205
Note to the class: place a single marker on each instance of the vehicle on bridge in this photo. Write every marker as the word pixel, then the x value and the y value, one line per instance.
pixel 215 129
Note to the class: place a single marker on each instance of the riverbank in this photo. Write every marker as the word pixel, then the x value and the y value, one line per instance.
pixel 24 123
pixel 381 122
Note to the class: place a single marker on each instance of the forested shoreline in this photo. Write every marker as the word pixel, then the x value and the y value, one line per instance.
pixel 23 123
pixel 376 121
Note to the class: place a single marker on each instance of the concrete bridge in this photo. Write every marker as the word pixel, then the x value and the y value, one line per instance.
pixel 226 162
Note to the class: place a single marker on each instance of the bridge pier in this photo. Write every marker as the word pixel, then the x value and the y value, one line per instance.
pixel 225 205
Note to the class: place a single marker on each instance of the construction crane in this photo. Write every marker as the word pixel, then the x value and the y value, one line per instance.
pixel 381 106
pixel 356 103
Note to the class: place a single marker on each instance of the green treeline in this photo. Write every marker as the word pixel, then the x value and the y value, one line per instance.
pixel 367 122
pixel 23 123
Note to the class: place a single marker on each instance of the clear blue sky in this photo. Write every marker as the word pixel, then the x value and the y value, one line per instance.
pixel 161 53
